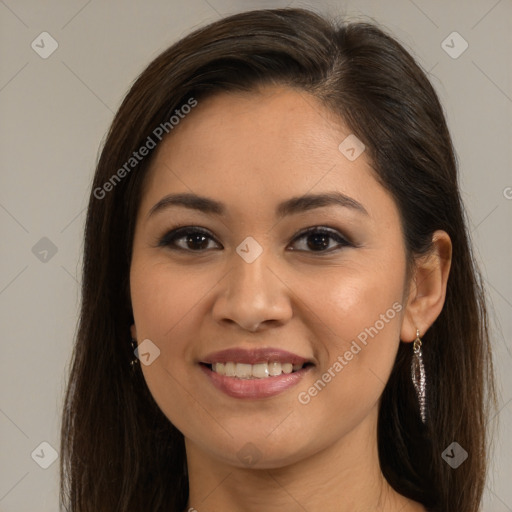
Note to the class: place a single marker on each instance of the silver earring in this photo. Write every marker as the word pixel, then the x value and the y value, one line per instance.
pixel 418 376
pixel 135 361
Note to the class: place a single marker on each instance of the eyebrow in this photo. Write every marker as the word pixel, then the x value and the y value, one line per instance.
pixel 291 206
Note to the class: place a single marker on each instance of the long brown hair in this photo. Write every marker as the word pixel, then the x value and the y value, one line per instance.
pixel 118 450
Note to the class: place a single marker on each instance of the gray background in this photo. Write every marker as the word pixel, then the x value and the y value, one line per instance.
pixel 55 113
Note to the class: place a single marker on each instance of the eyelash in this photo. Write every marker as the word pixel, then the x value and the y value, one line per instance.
pixel 169 239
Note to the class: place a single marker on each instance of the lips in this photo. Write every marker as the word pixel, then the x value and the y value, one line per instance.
pixel 254 356
pixel 256 373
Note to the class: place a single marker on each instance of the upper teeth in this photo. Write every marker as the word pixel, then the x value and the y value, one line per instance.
pixel 258 371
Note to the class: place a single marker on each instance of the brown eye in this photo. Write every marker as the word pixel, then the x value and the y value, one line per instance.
pixel 320 239
pixel 198 240
pixel 190 239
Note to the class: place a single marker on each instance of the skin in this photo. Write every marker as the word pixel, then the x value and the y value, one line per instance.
pixel 251 151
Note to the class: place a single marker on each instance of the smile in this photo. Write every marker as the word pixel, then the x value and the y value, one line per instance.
pixel 256 373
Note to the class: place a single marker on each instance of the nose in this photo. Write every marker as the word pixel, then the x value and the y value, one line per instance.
pixel 253 295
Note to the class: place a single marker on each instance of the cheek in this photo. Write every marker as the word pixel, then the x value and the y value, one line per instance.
pixel 349 301
pixel 357 314
pixel 163 296
pixel 363 309
pixel 166 301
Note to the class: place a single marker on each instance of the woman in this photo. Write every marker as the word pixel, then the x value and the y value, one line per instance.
pixel 280 307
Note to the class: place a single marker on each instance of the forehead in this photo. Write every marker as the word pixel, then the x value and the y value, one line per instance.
pixel 259 124
pixel 259 147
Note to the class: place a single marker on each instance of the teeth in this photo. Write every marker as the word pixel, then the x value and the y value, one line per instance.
pixel 243 371
pixel 287 367
pixel 274 368
pixel 229 369
pixel 257 371
pixel 260 370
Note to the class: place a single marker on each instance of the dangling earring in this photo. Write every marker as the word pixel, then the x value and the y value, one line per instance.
pixel 135 361
pixel 418 376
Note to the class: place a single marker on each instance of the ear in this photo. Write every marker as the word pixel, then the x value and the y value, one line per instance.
pixel 427 288
pixel 133 331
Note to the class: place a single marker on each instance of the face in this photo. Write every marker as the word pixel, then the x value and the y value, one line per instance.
pixel 293 262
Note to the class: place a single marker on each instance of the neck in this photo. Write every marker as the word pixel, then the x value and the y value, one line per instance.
pixel 344 477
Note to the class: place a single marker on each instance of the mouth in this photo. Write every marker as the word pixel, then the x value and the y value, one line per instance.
pixel 263 370
pixel 257 373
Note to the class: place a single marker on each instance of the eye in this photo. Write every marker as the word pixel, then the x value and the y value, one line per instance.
pixel 318 239
pixel 194 239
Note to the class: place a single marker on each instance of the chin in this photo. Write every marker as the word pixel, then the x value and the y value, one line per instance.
pixel 259 451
